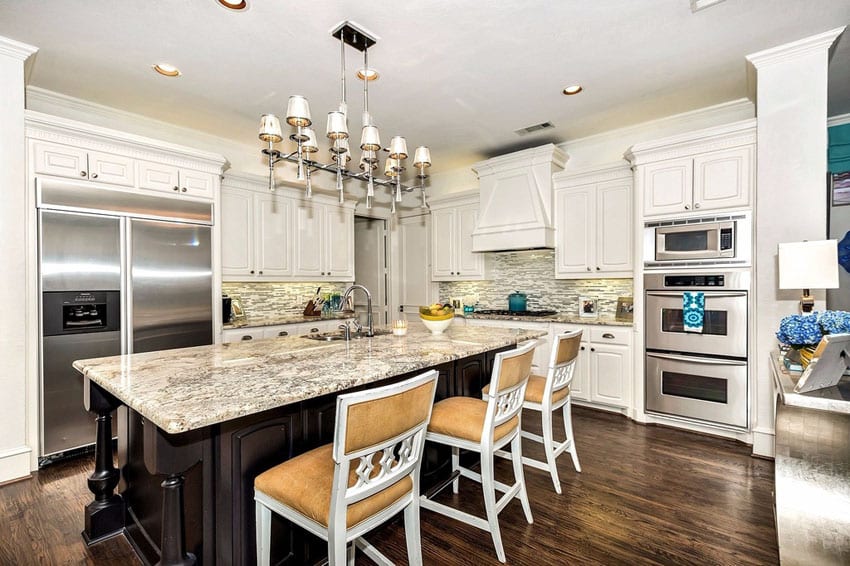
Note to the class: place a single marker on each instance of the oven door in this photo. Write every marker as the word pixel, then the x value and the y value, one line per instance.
pixel 724 331
pixel 707 389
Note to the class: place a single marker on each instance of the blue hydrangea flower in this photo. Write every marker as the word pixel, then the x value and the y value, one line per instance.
pixel 799 330
pixel 834 322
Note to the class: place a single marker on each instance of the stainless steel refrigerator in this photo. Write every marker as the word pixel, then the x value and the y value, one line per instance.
pixel 120 272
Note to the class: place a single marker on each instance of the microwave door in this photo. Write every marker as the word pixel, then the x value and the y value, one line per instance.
pixel 686 242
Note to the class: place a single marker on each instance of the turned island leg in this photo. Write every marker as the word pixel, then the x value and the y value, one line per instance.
pixel 104 517
pixel 173 539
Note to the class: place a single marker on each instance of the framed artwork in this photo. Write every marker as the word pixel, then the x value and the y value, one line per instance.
pixel 840 189
pixel 625 309
pixel 587 307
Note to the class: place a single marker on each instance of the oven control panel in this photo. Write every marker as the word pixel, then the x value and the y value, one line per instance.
pixel 694 280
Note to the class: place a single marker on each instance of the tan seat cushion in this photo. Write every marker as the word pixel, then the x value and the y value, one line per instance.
pixel 304 483
pixel 534 390
pixel 463 417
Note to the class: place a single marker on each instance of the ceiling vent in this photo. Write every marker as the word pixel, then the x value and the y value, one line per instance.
pixel 534 128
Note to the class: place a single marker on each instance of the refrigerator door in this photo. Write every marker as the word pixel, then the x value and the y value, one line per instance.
pixel 170 272
pixel 80 252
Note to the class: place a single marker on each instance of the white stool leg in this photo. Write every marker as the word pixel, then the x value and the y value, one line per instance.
pixel 519 476
pixel 549 447
pixel 264 534
pixel 351 550
pixel 337 549
pixel 490 503
pixel 412 534
pixel 455 467
pixel 568 428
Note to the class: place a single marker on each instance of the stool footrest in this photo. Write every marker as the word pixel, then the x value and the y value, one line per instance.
pixel 467 518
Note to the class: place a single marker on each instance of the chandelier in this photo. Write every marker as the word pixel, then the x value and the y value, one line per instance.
pixel 299 119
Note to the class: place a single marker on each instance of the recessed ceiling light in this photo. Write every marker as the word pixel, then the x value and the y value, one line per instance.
pixel 572 89
pixel 166 69
pixel 370 74
pixel 233 5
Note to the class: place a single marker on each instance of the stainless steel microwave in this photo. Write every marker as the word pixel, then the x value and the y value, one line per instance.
pixel 715 240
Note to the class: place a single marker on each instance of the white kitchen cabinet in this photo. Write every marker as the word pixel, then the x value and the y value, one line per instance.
pixel 171 179
pixel 324 242
pixel 593 224
pixel 256 235
pixel 712 169
pixel 281 330
pixel 452 222
pixel 78 163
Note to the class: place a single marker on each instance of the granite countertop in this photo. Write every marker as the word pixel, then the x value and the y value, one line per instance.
pixel 190 388
pixel 280 318
pixel 560 317
pixel 834 399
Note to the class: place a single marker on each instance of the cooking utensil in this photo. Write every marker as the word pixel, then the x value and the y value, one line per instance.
pixel 517 301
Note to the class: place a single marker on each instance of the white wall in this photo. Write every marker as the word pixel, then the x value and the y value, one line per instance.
pixel 15 422
pixel 791 96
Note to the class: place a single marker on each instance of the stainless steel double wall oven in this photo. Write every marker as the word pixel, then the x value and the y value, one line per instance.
pixel 698 375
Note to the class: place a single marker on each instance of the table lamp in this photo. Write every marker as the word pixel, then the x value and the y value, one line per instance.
pixel 808 265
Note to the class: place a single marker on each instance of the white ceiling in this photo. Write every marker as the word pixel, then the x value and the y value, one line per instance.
pixel 457 76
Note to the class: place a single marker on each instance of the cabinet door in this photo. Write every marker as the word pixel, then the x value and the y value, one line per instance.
pixel 237 232
pixel 468 265
pixel 609 374
pixel 574 228
pixel 614 227
pixel 112 169
pixel 722 179
pixel 309 223
pixel 60 160
pixel 158 177
pixel 197 183
pixel 339 243
pixel 667 186
pixel 580 388
pixel 442 244
pixel 272 235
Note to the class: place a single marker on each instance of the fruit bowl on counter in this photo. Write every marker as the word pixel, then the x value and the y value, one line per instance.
pixel 437 317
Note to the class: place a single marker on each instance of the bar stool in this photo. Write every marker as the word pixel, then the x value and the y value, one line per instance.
pixel 484 426
pixel 547 395
pixel 342 490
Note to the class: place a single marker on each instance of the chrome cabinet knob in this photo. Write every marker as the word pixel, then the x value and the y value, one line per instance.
pixel 588 268
pixel 582 348
pixel 252 272
pixel 598 268
pixel 593 349
pixel 82 173
pixel 176 188
pixel 183 190
pixel 314 330
pixel 687 207
pixel 247 337
pixel 94 175
pixel 696 205
pixel 261 272
pixel 283 333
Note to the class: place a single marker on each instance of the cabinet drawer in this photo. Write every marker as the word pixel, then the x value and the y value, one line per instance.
pixel 611 335
pixel 241 334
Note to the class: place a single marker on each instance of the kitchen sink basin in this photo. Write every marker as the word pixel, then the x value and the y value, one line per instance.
pixel 338 335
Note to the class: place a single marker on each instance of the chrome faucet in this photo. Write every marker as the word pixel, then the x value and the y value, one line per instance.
pixel 348 292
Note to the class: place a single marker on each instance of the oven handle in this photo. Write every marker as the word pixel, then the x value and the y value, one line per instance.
pixel 708 294
pixel 707 361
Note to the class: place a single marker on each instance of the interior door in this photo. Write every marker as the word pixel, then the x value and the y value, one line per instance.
pixel 415 265
pixel 370 266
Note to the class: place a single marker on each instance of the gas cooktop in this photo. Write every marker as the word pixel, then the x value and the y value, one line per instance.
pixel 516 313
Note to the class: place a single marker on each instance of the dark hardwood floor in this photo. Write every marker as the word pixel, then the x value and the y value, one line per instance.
pixel 646 495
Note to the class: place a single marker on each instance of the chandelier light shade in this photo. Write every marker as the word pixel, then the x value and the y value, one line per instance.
pixel 298 111
pixel 270 128
pixel 298 117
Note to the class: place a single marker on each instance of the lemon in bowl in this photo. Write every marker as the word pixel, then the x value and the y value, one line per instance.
pixel 436 317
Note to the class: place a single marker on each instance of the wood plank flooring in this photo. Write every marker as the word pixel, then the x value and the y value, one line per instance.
pixel 646 495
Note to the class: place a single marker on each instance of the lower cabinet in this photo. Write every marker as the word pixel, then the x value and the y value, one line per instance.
pixel 280 330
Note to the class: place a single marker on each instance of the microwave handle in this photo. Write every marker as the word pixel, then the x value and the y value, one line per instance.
pixel 691 359
pixel 708 294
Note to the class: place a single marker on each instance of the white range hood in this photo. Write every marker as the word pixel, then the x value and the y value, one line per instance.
pixel 516 200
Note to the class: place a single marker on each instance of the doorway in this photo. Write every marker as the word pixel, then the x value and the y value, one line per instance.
pixel 371 266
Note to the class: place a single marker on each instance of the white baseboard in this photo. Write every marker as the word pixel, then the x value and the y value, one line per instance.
pixel 763 443
pixel 15 463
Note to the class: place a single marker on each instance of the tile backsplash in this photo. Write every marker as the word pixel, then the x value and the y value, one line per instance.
pixel 269 299
pixel 533 273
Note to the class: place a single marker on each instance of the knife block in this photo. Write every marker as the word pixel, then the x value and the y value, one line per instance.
pixel 312 309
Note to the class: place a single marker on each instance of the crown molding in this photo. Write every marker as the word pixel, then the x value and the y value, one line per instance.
pixel 790 51
pixel 610 172
pixel 839 120
pixel 708 139
pixel 542 155
pixel 455 199
pixel 16 49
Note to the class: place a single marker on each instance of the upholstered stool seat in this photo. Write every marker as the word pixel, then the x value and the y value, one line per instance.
pixel 370 473
pixel 464 423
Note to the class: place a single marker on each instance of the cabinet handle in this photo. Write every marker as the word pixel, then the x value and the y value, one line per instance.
pixel 247 337
pixel 582 348
pixel 283 333
pixel 696 205
pixel 82 173
pixel 252 272
pixel 588 268
pixel 94 175
pixel 597 268
pixel 608 336
pixel 261 272
pixel 314 330
pixel 176 188
pixel 593 349
pixel 329 272
pixel 183 190
pixel 687 207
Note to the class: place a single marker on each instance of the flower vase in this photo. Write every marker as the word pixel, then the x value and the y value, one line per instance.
pixel 806 355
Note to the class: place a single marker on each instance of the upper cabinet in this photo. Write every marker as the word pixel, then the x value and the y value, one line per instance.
pixel 700 171
pixel 163 177
pixel 281 236
pixel 593 223
pixel 68 161
pixel 453 220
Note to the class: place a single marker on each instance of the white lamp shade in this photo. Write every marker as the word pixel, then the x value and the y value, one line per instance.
pixel 340 146
pixel 337 128
pixel 398 148
pixel 298 111
pixel 392 168
pixel 370 156
pixel 808 265
pixel 370 139
pixel 270 128
pixel 309 145
pixel 422 157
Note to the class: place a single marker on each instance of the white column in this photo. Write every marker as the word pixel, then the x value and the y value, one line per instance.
pixel 791 95
pixel 15 450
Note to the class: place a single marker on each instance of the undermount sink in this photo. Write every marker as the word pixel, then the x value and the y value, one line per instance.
pixel 338 335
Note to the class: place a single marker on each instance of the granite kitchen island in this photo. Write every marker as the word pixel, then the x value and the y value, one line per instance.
pixel 196 425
